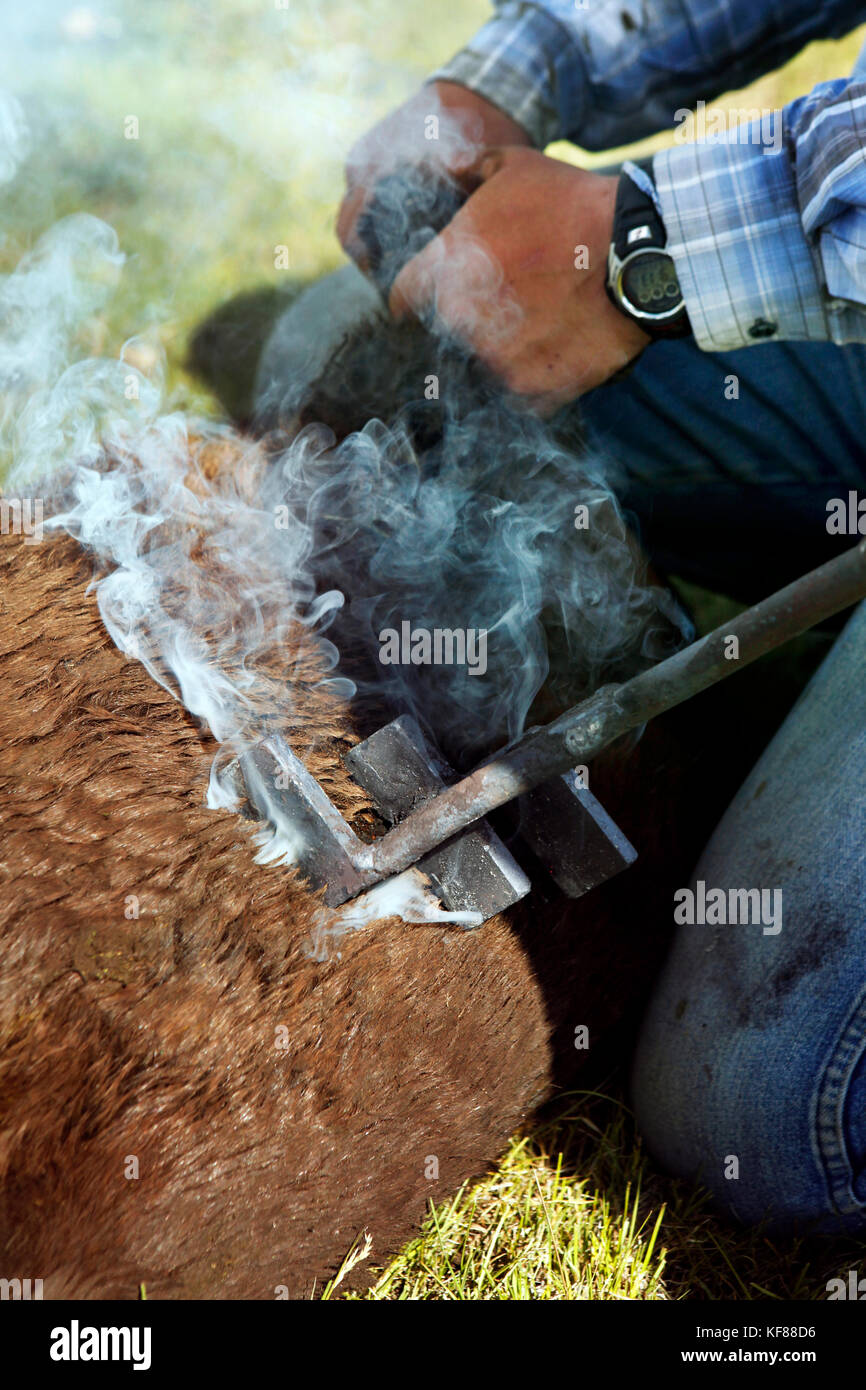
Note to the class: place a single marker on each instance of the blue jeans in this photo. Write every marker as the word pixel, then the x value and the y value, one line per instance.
pixel 750 1071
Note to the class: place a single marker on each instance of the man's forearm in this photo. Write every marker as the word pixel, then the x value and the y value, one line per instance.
pixel 612 71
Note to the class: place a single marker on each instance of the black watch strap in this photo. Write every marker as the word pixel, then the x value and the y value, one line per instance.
pixel 637 224
pixel 634 211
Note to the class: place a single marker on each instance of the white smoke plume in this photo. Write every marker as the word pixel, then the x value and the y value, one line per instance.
pixel 197 580
pixel 202 573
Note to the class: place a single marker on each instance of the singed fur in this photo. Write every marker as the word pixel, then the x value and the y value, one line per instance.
pixel 155 1037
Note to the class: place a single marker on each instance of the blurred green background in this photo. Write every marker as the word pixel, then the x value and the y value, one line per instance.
pixel 245 112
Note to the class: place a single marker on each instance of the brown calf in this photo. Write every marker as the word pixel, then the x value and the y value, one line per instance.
pixel 189 1098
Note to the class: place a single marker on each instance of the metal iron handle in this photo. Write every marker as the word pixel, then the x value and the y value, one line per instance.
pixel 580 734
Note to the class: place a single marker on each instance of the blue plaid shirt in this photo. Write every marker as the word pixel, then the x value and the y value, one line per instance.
pixel 766 220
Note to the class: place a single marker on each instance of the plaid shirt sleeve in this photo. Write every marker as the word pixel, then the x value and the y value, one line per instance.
pixel 766 224
pixel 607 72
pixel 767 227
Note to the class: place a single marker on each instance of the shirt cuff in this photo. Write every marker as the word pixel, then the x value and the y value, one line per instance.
pixel 520 61
pixel 747 271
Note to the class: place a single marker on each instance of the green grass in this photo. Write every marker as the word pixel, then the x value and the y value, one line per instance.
pixel 532 1230
pixel 576 1210
pixel 245 114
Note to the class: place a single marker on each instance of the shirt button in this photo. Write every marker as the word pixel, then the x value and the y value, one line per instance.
pixel 762 328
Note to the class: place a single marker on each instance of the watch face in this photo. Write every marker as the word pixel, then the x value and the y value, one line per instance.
pixel 649 284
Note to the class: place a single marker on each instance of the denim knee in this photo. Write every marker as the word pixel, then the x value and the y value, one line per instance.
pixel 751 1066
pixel 773 1140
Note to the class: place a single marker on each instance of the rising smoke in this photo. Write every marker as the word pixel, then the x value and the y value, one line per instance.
pixel 380 500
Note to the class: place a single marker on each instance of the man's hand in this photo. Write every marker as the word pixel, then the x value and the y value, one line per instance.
pixel 519 275
pixel 465 126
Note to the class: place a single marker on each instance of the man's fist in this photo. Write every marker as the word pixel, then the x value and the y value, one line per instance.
pixel 444 127
pixel 519 274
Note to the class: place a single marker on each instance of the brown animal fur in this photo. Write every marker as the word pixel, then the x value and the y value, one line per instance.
pixel 155 1037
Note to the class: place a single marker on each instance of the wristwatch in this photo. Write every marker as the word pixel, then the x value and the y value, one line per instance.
pixel 641 276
